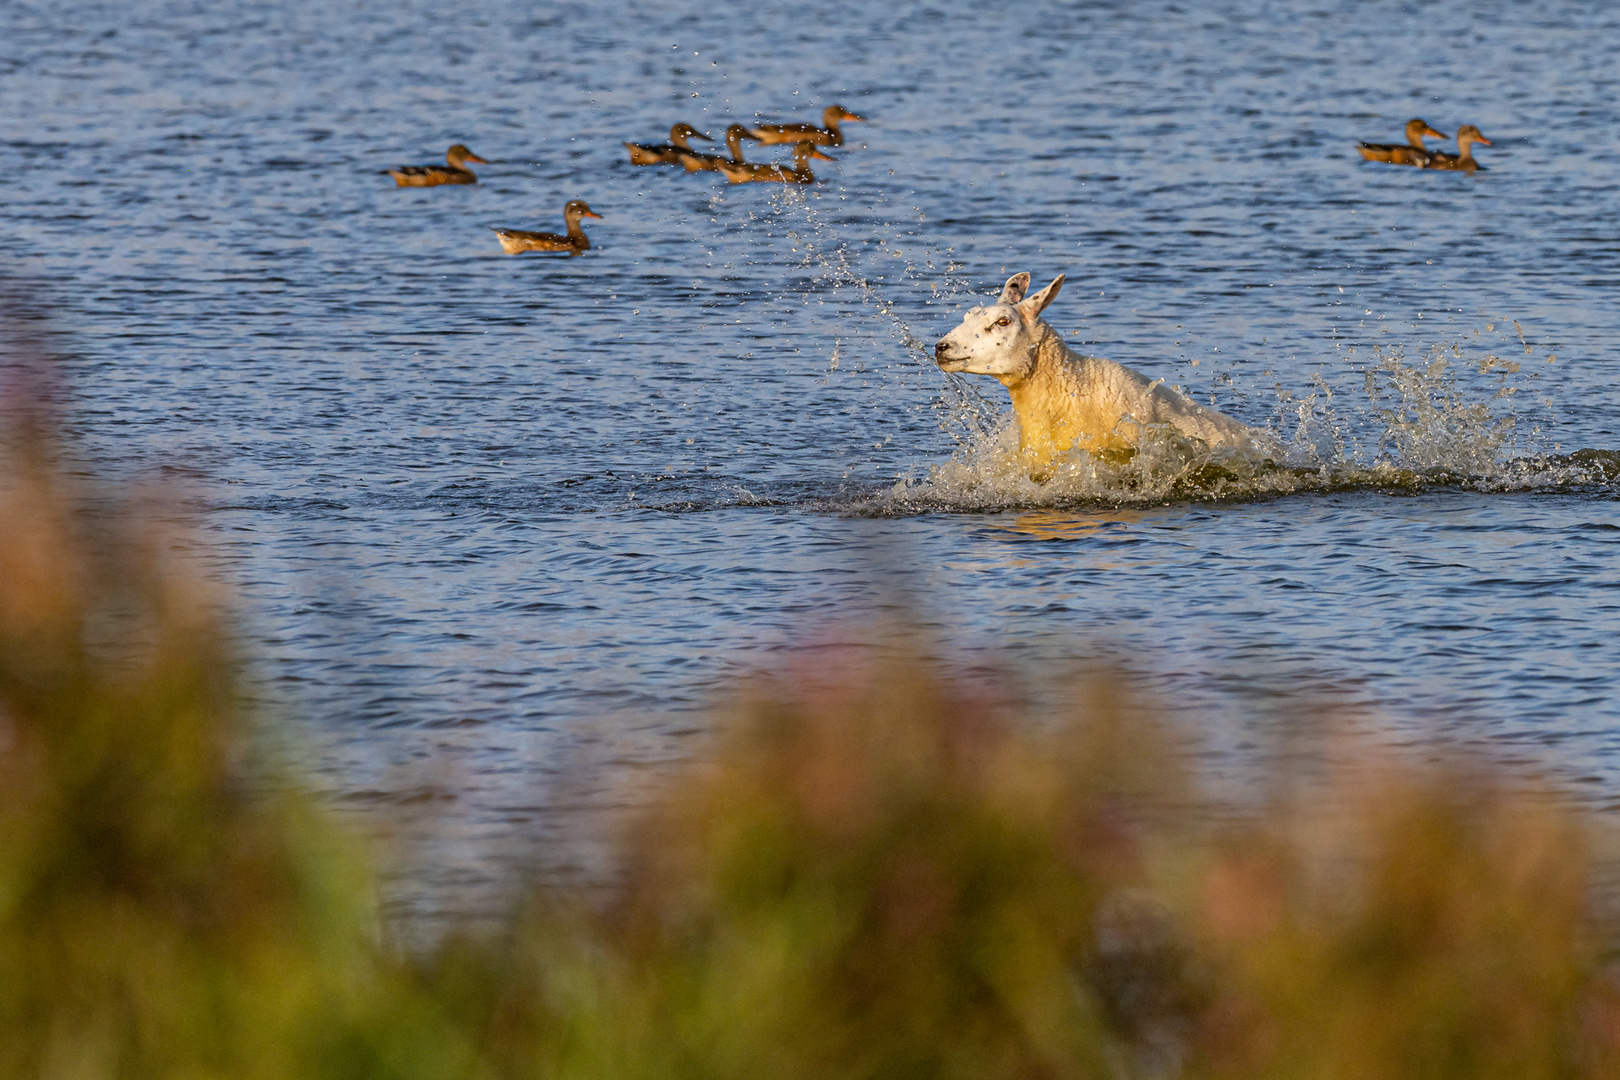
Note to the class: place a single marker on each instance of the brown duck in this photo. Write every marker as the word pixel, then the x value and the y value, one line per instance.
pixel 666 153
pixel 455 172
pixel 826 135
pixel 514 241
pixel 696 162
pixel 1412 152
pixel 743 172
pixel 1463 159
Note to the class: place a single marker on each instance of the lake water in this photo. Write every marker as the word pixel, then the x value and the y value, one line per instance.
pixel 501 528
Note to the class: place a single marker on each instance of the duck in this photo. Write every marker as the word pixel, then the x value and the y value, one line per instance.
pixel 742 172
pixel 826 135
pixel 514 241
pixel 665 153
pixel 1463 159
pixel 1412 152
pixel 696 162
pixel 455 172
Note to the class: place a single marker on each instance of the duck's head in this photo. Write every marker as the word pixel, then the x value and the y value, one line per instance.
pixel 999 339
pixel 577 208
pixel 1418 130
pixel 804 151
pixel 458 155
pixel 834 113
pixel 1470 133
pixel 681 132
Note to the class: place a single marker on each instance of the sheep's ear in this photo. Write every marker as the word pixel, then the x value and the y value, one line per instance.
pixel 1014 290
pixel 1036 304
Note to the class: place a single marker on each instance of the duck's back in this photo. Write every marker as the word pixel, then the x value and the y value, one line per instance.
pixel 655 154
pixel 1395 153
pixel 1454 163
pixel 431 176
pixel 516 240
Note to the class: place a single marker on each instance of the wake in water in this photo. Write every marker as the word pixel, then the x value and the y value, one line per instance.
pixel 1417 429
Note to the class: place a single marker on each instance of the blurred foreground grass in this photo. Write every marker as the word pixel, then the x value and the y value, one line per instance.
pixel 880 871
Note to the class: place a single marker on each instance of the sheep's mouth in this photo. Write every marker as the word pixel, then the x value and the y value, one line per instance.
pixel 946 361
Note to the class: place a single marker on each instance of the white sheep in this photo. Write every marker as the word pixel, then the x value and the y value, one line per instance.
pixel 1064 400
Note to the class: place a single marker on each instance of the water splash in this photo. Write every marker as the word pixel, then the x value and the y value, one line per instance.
pixel 837 266
pixel 963 410
pixel 1412 426
pixel 1416 428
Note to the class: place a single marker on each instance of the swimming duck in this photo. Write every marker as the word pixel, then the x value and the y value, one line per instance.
pixel 514 241
pixel 456 172
pixel 826 135
pixel 1463 159
pixel 665 153
pixel 1412 152
pixel 696 162
pixel 742 172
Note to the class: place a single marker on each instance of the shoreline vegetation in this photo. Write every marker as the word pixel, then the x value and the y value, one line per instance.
pixel 881 871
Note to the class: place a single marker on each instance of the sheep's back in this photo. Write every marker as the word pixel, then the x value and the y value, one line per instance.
pixel 1112 387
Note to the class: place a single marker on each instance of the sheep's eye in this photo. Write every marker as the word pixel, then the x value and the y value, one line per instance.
pixel 1004 321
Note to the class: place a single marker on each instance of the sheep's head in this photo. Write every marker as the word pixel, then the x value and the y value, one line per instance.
pixel 999 339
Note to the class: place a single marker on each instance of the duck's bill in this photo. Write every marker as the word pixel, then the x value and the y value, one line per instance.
pixel 1433 134
pixel 852 116
pixel 591 213
pixel 1482 139
pixel 700 135
pixel 823 157
pixel 475 157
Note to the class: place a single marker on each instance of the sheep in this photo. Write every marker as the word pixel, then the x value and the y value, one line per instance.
pixel 1064 400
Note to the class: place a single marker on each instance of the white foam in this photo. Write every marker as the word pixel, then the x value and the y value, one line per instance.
pixel 1414 427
